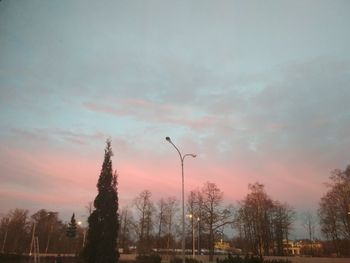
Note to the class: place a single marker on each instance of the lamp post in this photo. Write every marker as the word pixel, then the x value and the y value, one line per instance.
pixel 198 219
pixel 80 223
pixel 7 221
pixel 182 158
pixel 193 238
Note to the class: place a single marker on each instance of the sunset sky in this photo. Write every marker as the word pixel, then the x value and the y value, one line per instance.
pixel 259 90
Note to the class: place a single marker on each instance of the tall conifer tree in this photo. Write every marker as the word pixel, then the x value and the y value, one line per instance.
pixel 101 245
pixel 72 227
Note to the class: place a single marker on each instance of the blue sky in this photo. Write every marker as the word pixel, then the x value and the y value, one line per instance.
pixel 258 89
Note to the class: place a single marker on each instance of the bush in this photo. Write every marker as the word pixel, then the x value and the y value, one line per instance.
pixel 238 259
pixel 187 260
pixel 152 258
pixel 18 258
pixel 249 259
pixel 11 258
pixel 277 261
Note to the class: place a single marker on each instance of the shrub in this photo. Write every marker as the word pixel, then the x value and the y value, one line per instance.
pixel 152 258
pixel 277 261
pixel 187 260
pixel 10 257
pixel 249 259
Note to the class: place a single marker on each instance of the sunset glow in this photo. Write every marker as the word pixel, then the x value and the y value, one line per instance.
pixel 260 97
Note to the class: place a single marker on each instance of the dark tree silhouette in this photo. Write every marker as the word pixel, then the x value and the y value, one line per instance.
pixel 334 210
pixel 263 223
pixel 72 227
pixel 101 244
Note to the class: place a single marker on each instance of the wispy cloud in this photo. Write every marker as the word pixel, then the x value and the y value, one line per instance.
pixel 42 135
pixel 158 113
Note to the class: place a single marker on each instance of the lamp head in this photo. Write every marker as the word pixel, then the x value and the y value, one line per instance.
pixel 168 139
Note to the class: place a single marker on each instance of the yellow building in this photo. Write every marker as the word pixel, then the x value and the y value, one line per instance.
pixel 291 248
pixel 222 245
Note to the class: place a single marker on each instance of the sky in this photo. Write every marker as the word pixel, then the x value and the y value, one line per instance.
pixel 259 90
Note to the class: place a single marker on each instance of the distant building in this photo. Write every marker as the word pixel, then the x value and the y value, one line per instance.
pixel 291 248
pixel 222 247
pixel 310 247
pixel 302 247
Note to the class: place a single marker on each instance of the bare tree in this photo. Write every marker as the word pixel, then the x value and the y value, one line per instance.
pixel 256 209
pixel 262 222
pixel 195 207
pixel 50 230
pixel 283 217
pixel 161 219
pixel 89 207
pixel 309 223
pixel 192 211
pixel 15 231
pixel 214 215
pixel 170 211
pixel 144 227
pixel 126 224
pixel 4 229
pixel 334 209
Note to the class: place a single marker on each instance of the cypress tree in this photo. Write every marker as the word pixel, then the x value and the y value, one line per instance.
pixel 72 227
pixel 101 243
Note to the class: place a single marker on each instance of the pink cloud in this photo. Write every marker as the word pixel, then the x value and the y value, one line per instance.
pixel 156 112
pixel 63 179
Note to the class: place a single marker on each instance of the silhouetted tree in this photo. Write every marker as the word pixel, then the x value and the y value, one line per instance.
pixel 334 209
pixel 72 227
pixel 161 220
pixel 125 229
pixel 166 210
pixel 14 231
pixel 51 233
pixel 263 223
pixel 144 215
pixel 309 224
pixel 282 218
pixel 214 215
pixel 195 207
pixel 101 243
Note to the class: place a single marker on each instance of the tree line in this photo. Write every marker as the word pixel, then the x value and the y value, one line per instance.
pixel 17 229
pixel 261 223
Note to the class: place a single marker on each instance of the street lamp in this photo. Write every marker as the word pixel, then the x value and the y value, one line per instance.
pixel 198 220
pixel 182 158
pixel 7 221
pixel 80 223
pixel 193 241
